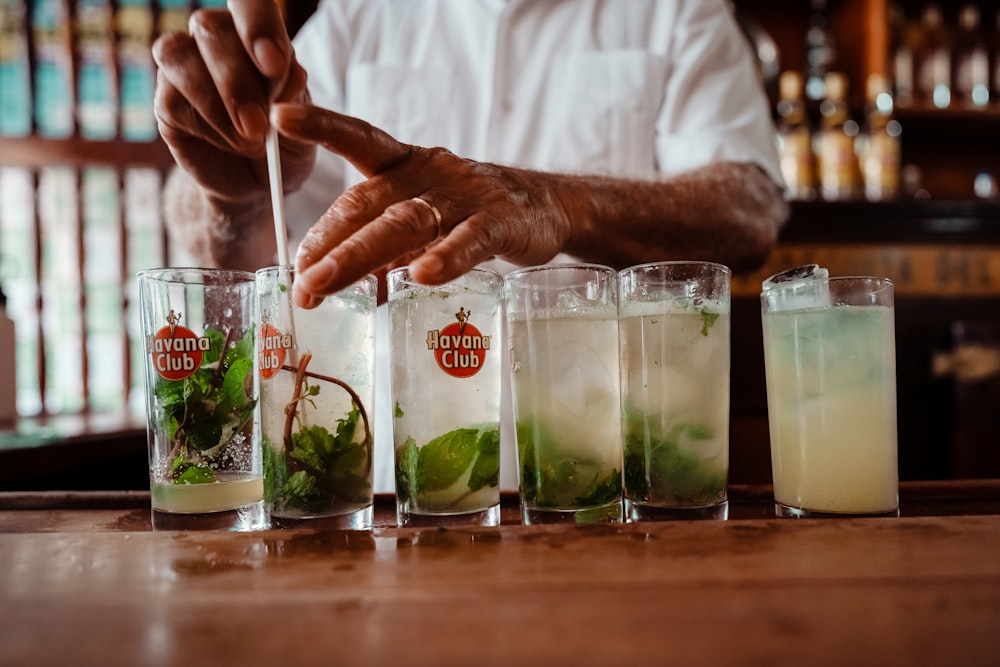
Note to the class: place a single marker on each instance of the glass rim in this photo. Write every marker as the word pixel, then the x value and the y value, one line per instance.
pixel 879 280
pixel 160 274
pixel 584 266
pixel 490 280
pixel 476 269
pixel 280 269
pixel 676 262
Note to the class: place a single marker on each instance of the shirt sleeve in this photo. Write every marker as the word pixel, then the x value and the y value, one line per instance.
pixel 714 107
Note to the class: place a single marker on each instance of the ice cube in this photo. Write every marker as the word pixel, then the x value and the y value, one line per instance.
pixel 798 288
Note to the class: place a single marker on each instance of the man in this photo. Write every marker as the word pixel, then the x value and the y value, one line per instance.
pixel 610 131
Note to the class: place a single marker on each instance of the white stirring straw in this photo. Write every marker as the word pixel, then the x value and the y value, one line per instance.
pixel 280 226
pixel 277 196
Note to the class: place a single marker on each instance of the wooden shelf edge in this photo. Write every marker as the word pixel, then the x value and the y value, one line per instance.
pixel 38 152
pixel 904 221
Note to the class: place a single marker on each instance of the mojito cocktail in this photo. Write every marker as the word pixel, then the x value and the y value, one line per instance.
pixel 674 329
pixel 445 371
pixel 317 378
pixel 204 464
pixel 563 339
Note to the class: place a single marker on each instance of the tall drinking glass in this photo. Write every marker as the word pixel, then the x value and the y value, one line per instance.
pixel 562 325
pixel 201 395
pixel 445 371
pixel 674 328
pixel 829 359
pixel 317 392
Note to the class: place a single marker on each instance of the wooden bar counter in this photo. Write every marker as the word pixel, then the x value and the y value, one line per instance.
pixel 84 581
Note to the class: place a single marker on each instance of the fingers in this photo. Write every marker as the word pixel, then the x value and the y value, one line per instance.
pixel 368 148
pixel 337 252
pixel 465 247
pixel 177 118
pixel 228 68
pixel 239 83
pixel 260 27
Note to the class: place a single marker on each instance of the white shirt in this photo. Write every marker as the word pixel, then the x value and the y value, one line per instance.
pixel 636 88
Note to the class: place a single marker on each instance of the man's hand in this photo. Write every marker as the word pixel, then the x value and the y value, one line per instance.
pixel 215 86
pixel 485 210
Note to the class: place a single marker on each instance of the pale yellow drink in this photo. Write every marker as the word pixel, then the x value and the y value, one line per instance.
pixel 228 492
pixel 831 389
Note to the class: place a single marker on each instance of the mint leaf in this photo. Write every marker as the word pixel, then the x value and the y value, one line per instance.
pixel 486 469
pixel 322 469
pixel 233 393
pixel 300 485
pixel 602 490
pixel 707 320
pixel 243 350
pixel 216 342
pixel 445 458
pixel 657 467
pixel 188 469
pixel 205 410
pixel 275 471
pixel 553 477
pixel 407 462
pixel 441 463
pixel 196 475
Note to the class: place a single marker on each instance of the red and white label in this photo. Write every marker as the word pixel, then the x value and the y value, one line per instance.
pixel 177 351
pixel 459 348
pixel 274 347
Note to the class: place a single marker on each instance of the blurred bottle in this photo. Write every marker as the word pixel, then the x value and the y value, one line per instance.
pixel 985 185
pixel 971 60
pixel 996 59
pixel 933 59
pixel 821 51
pixel 8 366
pixel 795 139
pixel 15 70
pixel 903 36
pixel 836 159
pixel 879 144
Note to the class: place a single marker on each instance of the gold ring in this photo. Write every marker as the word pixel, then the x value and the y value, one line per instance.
pixel 434 211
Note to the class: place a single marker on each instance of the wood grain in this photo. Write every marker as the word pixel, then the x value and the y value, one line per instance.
pixel 914 590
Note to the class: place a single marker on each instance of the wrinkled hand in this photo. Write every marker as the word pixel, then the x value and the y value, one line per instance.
pixel 214 88
pixel 486 210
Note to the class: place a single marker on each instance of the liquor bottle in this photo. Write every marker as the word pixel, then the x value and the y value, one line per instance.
pixel 933 60
pixel 53 66
pixel 996 60
pixel 902 35
pixel 879 144
pixel 135 26
pixel 836 160
pixel 15 70
pixel 821 51
pixel 795 139
pixel 173 17
pixel 8 365
pixel 971 60
pixel 97 86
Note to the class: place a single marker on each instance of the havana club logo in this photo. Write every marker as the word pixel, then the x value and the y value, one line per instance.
pixel 177 351
pixel 274 347
pixel 459 348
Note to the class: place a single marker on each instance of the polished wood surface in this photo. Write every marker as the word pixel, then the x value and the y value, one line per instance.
pixel 85 582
